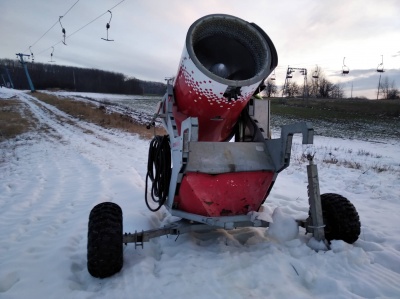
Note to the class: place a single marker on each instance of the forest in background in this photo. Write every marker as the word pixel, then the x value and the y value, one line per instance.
pixel 53 76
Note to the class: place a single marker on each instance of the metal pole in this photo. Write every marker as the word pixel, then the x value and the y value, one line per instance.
pixel 314 199
pixel 351 95
pixel 286 79
pixel 5 85
pixel 9 78
pixel 379 85
pixel 21 58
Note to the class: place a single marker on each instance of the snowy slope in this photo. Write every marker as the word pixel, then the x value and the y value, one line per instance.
pixel 50 181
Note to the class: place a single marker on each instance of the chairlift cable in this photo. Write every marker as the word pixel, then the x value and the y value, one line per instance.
pixel 53 25
pixel 95 19
pixel 81 27
pixel 70 8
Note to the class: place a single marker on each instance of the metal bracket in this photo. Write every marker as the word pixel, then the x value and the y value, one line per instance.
pixel 280 149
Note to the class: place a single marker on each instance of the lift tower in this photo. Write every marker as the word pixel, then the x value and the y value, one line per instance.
pixel 21 60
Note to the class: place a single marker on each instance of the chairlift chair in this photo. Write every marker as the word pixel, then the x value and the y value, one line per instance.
pixel 315 73
pixel 345 69
pixel 108 27
pixel 33 57
pixel 273 77
pixel 51 56
pixel 380 69
pixel 62 30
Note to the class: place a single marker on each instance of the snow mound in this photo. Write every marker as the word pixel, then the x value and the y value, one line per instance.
pixel 283 227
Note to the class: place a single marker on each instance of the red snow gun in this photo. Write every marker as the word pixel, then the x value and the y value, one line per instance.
pixel 218 163
pixel 210 102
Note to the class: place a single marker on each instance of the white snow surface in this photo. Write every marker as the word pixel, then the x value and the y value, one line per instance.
pixel 50 181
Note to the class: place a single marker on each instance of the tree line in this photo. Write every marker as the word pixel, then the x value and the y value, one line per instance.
pixel 320 87
pixel 52 76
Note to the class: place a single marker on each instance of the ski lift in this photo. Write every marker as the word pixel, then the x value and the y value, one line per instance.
pixel 315 73
pixel 289 74
pixel 33 57
pixel 345 69
pixel 380 69
pixel 108 27
pixel 63 30
pixel 51 55
pixel 273 77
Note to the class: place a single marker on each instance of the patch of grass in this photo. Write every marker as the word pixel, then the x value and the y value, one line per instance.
pixel 15 119
pixel 336 109
pixel 362 152
pixel 351 164
pixel 381 168
pixel 331 160
pixel 98 115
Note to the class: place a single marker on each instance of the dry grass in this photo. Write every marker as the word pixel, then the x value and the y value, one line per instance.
pixel 346 109
pixel 15 119
pixel 94 114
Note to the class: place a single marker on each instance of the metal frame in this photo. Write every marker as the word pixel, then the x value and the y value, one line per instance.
pixel 259 153
pixel 289 75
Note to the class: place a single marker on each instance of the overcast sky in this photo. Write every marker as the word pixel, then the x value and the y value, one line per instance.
pixel 149 35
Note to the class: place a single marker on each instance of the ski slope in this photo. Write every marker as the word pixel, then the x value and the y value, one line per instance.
pixel 51 179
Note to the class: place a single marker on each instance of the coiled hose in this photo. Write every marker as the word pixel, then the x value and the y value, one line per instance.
pixel 158 171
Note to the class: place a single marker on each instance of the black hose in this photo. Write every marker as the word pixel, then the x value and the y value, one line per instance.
pixel 158 171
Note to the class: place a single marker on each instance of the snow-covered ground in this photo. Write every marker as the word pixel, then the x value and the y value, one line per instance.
pixel 50 181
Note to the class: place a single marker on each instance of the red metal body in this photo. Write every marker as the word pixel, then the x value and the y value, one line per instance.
pixel 226 194
pixel 216 114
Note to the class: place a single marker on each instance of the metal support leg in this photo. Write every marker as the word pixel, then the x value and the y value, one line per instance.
pixel 314 199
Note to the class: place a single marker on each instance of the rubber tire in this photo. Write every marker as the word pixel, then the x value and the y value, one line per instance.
pixel 340 218
pixel 104 247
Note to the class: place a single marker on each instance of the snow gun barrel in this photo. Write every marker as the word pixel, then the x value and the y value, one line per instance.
pixel 224 61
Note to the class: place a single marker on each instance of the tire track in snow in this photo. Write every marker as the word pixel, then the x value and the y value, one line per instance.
pixel 66 173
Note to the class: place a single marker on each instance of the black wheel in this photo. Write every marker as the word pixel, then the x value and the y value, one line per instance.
pixel 104 248
pixel 340 218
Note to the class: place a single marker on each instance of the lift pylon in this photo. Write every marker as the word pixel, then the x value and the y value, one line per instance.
pixel 21 60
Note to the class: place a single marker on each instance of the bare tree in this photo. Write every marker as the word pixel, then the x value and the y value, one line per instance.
pixel 292 89
pixel 320 87
pixel 389 90
pixel 325 88
pixel 270 88
pixel 337 91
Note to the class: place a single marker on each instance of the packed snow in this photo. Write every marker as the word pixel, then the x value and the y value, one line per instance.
pixel 50 179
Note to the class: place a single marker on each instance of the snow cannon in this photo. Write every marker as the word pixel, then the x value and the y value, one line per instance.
pixel 218 163
pixel 224 61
